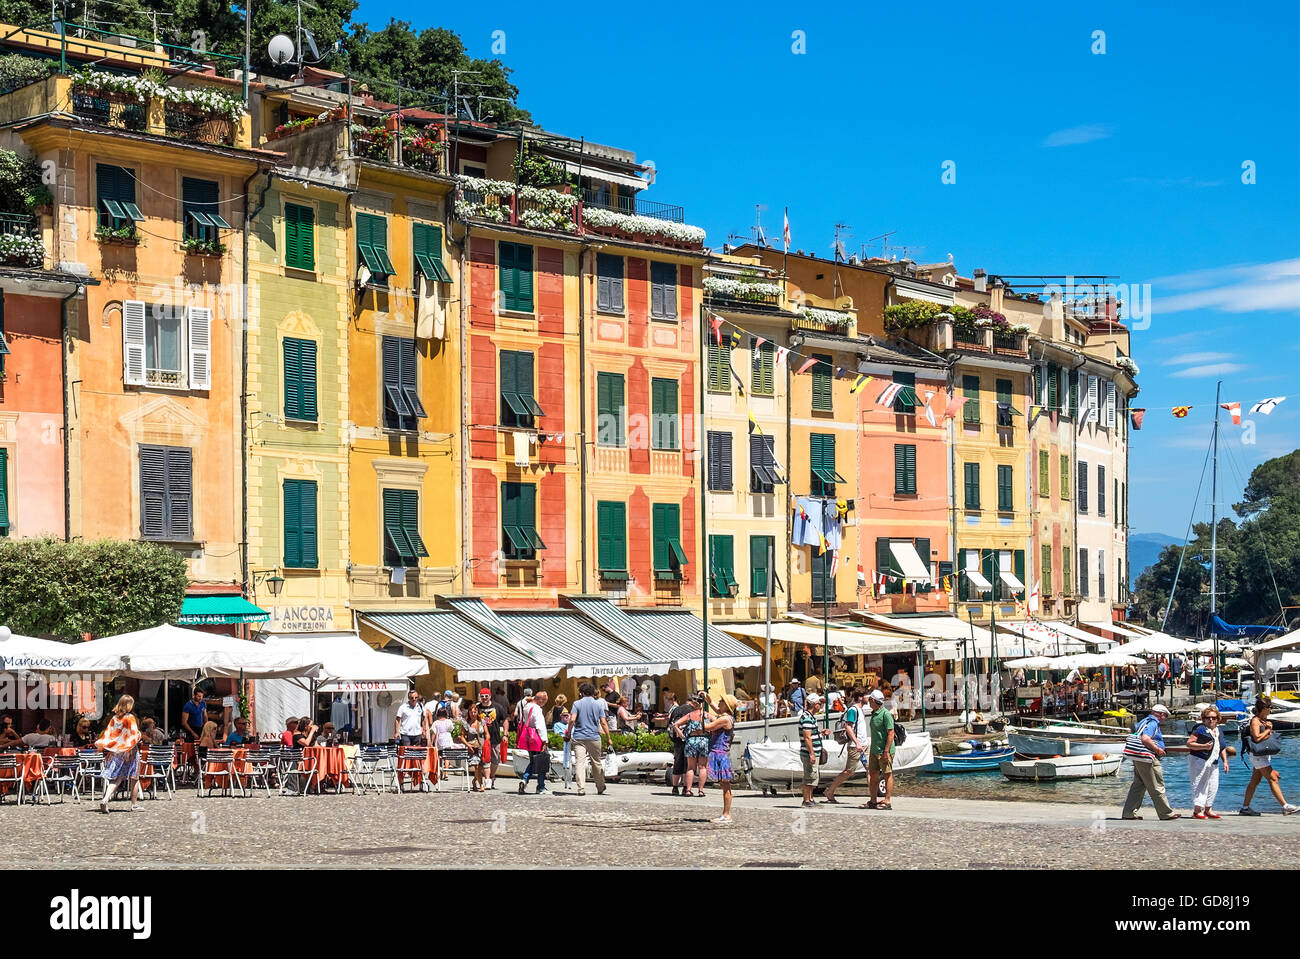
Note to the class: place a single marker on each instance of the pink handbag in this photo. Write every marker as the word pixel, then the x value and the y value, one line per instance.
pixel 528 740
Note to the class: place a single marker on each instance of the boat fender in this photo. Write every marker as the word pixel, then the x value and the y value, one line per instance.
pixel 1098 756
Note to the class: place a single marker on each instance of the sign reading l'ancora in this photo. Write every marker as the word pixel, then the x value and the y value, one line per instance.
pixel 301 619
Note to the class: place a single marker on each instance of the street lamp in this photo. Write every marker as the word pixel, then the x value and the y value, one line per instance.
pixel 274 581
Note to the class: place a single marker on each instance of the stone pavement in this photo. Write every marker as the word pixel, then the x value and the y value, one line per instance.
pixel 633 825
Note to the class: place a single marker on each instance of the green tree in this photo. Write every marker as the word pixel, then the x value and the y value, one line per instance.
pixel 66 590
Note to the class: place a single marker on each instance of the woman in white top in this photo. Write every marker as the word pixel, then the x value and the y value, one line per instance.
pixel 1205 750
pixel 442 727
pixel 1259 731
pixel 539 760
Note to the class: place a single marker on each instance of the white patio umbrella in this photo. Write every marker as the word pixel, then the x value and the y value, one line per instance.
pixel 1157 645
pixel 173 652
pixel 1030 662
pixel 1097 660
pixel 1225 646
pixel 31 655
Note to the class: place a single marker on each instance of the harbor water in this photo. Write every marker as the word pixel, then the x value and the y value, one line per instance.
pixel 1110 790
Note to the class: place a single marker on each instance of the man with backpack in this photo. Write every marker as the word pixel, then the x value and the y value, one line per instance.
pixel 855 735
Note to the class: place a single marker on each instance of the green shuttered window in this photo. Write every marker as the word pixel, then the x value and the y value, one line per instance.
pixel 1044 473
pixel 1006 491
pixel 519 539
pixel 299 237
pixel 972 478
pixel 403 545
pixel 823 582
pixel 970 411
pixel 719 367
pixel 762 380
pixel 722 566
pixel 663 291
pixel 611 540
pixel 905 468
pixel 669 557
pixel 760 565
pixel 1047 570
pixel 372 245
pixel 906 401
pixel 822 394
pixel 426 244
pixel 518 405
pixel 664 413
pixel 201 209
pixel 821 463
pixel 719 465
pixel 1065 477
pixel 610 408
pixel 115 187
pixel 515 265
pixel 300 524
pixel 299 379
pixel 402 406
pixel 609 283
pixel 166 493
pixel 4 492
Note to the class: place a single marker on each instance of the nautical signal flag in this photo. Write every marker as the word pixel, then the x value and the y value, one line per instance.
pixel 1137 415
pixel 716 322
pixel 758 342
pixel 891 391
pixel 1181 411
pixel 1235 410
pixel 955 404
pixel 753 425
pixel 781 353
pixel 1267 406
pixel 862 380
pixel 735 337
pixel 812 361
pixel 785 230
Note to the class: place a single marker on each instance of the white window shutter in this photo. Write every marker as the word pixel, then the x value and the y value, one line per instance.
pixel 1093 392
pixel 200 325
pixel 1110 404
pixel 133 314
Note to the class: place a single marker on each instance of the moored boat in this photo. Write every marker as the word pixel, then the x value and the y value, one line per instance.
pixel 1063 767
pixel 979 757
pixel 1064 741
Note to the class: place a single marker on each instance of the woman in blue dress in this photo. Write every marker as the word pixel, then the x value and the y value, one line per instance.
pixel 691 726
pixel 720 730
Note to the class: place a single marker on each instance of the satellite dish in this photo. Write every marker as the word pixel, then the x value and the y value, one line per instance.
pixel 280 49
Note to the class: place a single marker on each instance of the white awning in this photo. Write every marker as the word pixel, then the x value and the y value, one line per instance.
pixel 1010 580
pixel 910 562
pixel 348 663
pixel 607 176
pixel 977 579
pixel 917 290
pixel 851 641
pixel 1115 628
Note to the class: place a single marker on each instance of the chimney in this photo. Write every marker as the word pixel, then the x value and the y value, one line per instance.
pixel 995 295
pixel 981 281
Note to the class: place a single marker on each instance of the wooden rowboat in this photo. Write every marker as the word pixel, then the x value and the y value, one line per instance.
pixel 1063 767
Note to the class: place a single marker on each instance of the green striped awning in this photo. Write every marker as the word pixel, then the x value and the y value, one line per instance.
pixel 219 611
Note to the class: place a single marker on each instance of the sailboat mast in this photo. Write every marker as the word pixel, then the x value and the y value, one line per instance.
pixel 1214 534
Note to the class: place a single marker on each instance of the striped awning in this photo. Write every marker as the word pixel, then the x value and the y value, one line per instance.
pixel 675 638
pixel 587 650
pixel 451 639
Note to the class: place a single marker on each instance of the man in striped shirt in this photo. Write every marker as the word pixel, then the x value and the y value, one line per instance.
pixel 810 745
pixel 1145 747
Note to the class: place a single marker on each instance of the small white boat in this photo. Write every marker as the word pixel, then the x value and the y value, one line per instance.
pixel 778 765
pixel 1064 741
pixel 1066 767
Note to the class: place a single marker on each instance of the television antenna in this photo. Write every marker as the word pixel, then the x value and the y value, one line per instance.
pixel 882 238
pixel 759 236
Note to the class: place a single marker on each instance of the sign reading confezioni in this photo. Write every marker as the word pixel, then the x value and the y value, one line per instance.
pixel 301 619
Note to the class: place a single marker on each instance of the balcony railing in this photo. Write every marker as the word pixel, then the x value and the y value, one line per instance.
pixel 199 126
pixel 758 303
pixel 1008 342
pixel 112 110
pixel 17 224
pixel 607 200
pixel 964 336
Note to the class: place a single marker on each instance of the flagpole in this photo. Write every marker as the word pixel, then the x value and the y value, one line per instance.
pixel 1214 539
pixel 767 631
pixel 707 573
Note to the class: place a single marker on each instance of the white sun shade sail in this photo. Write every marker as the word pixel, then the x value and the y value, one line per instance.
pixel 20 654
pixel 910 562
pixel 348 663
pixel 173 652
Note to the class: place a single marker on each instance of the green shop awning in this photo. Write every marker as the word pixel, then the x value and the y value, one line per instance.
pixel 219 611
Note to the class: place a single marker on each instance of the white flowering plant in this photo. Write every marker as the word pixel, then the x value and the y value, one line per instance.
pixel 1127 365
pixel 742 289
pixel 143 87
pixel 632 224
pixel 826 317
pixel 17 249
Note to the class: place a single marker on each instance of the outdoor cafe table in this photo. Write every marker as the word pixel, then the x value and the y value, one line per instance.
pixel 240 764
pixel 331 765
pixel 33 767
pixel 429 766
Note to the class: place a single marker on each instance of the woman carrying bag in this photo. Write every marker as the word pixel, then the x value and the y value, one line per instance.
pixel 532 739
pixel 1205 750
pixel 1261 744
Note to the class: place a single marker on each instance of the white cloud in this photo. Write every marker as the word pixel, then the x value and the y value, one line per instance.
pixel 1076 135
pixel 1234 289
pixel 1210 369
pixel 1184 358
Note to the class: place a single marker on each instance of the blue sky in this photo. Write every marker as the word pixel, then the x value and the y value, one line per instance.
pixel 1127 163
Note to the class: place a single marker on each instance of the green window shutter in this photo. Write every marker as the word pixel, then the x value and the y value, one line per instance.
pixel 963 584
pixel 664 414
pixel 506 272
pixel 299 379
pixel 904 404
pixel 4 492
pixel 762 380
pixel 300 524
pixel 299 236
pixel 1053 394
pixel 1006 489
pixel 199 209
pixel 1003 391
pixel 609 283
pixel 1065 477
pixel 1074 393
pixel 372 244
pixel 1018 566
pixel 989 566
pixel 905 468
pixel 1044 473
pixel 822 398
pixel 821 457
pixel 970 387
pixel 515 264
pixel 397 551
pixel 667 531
pixel 885 564
pixel 611 539
pixel 1047 570
pixel 823 583
pixel 719 367
pixel 115 189
pixel 722 565
pixel 1114 504
pixel 1038 386
pixel 972 478
pixel 1082 487
pixel 663 291
pixel 758 565
pixel 1067 581
pixel 610 404
pixel 1101 491
pixel 426 246
pixel 922 546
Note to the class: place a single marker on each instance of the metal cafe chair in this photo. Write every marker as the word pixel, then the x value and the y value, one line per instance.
pixel 416 758
pixel 292 766
pixel 39 786
pixel 65 771
pixel 210 777
pixel 370 770
pixel 92 770
pixel 454 760
pixel 160 763
pixel 258 768
pixel 11 771
pixel 271 751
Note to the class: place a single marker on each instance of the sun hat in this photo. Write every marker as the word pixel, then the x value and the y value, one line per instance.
pixel 730 700
pixel 813 698
pixel 877 696
pixel 1160 708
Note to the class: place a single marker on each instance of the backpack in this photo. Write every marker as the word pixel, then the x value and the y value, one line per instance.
pixel 900 734
pixel 841 730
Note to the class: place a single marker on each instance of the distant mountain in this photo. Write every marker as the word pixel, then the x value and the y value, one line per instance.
pixel 1143 550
